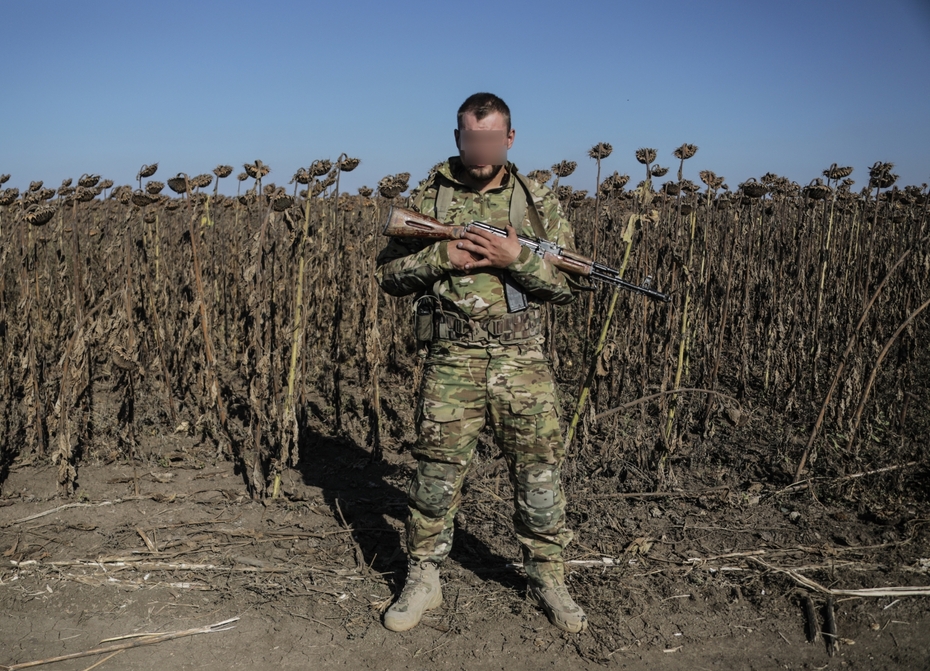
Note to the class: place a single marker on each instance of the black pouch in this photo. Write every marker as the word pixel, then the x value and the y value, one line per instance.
pixel 424 320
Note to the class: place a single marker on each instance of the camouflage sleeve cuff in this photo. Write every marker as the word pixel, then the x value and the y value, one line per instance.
pixel 415 272
pixel 442 253
pixel 540 278
pixel 519 265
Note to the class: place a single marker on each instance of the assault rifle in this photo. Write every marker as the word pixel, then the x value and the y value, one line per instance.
pixel 407 223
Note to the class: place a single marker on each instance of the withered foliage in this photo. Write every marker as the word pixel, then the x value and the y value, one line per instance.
pixel 256 323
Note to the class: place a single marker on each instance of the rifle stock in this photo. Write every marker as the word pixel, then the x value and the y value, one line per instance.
pixel 407 223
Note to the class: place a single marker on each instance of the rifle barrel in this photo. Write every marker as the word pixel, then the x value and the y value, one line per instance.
pixel 623 284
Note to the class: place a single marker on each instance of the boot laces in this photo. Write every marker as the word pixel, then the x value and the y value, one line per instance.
pixel 558 596
pixel 416 583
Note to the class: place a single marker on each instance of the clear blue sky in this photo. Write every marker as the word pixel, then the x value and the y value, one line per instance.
pixel 788 87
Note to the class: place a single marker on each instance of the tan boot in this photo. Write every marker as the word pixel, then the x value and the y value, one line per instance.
pixel 422 592
pixel 559 606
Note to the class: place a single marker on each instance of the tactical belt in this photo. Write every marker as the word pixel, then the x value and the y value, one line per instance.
pixel 509 328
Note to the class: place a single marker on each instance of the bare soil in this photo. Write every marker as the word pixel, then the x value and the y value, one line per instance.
pixel 694 578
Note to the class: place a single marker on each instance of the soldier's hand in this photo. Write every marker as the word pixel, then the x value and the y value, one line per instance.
pixel 490 250
pixel 460 259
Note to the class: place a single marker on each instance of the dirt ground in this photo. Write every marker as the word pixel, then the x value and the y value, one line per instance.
pixel 708 577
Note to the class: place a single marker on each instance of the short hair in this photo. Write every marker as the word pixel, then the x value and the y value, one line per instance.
pixel 483 104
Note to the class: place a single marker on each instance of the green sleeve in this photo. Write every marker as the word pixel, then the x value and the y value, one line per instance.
pixel 405 267
pixel 408 265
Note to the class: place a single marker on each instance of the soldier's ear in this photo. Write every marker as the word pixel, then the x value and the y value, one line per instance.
pixel 510 136
pixel 458 140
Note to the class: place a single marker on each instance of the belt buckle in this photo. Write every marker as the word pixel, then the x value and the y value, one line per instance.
pixel 463 328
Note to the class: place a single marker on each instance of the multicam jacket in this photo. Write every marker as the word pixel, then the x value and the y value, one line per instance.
pixel 408 265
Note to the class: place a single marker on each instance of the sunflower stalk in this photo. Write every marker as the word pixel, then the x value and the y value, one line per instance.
pixel 157 329
pixel 857 417
pixel 602 340
pixel 683 153
pixel 33 310
pixel 598 152
pixel 212 379
pixel 683 342
pixel 290 427
pixel 844 358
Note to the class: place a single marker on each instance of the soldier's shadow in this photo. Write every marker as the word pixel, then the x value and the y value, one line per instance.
pixel 370 494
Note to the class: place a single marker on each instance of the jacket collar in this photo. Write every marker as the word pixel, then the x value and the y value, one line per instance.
pixel 452 170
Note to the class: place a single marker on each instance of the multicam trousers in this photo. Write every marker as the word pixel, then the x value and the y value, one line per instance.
pixel 465 383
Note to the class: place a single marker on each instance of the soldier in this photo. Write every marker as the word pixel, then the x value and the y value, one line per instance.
pixel 485 360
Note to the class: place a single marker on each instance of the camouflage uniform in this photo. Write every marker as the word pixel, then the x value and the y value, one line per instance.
pixel 505 377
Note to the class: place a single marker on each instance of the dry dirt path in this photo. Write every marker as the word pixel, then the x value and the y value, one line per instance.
pixel 165 549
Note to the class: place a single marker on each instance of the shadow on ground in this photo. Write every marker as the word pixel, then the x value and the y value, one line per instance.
pixel 370 494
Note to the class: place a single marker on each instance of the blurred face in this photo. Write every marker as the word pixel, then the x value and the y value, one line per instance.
pixel 483 144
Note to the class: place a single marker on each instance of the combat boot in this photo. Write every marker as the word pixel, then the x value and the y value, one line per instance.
pixel 422 592
pixel 559 606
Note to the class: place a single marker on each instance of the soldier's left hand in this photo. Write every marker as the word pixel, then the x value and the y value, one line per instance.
pixel 495 251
